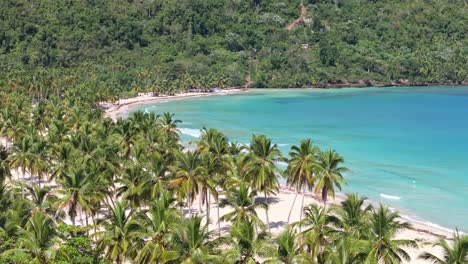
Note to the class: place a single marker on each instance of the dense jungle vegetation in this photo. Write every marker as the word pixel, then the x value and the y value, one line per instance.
pixel 120 47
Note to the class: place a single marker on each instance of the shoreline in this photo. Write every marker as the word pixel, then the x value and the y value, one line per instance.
pixel 123 106
pixel 119 109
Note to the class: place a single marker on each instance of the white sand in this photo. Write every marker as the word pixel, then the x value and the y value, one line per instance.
pixel 123 106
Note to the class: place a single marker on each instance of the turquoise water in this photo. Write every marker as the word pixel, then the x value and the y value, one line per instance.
pixel 406 147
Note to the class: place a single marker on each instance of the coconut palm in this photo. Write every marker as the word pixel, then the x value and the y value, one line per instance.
pixel 75 188
pixel 37 239
pixel 215 146
pixel 347 250
pixel 381 245
pixel 118 239
pixel 42 199
pixel 260 167
pixel 4 168
pixel 329 174
pixel 154 227
pixel 289 249
pixel 248 246
pixel 353 216
pixel 455 252
pixel 244 205
pixel 300 170
pixel 21 157
pixel 188 170
pixel 169 125
pixel 318 229
pixel 193 242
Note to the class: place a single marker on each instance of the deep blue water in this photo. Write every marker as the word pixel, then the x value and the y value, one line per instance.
pixel 406 147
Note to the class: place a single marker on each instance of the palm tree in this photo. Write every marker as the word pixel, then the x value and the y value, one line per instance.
pixel 43 199
pixel 300 170
pixel 247 246
pixel 75 187
pixel 21 157
pixel 329 174
pixel 63 157
pixel 215 146
pixel 260 167
pixel 154 227
pixel 382 247
pixel 242 200
pixel 353 216
pixel 37 239
pixel 317 221
pixel 4 168
pixel 118 237
pixel 289 249
pixel 169 125
pixel 346 250
pixel 188 170
pixel 192 240
pixel 453 253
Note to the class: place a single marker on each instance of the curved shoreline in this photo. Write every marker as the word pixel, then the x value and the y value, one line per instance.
pixel 123 106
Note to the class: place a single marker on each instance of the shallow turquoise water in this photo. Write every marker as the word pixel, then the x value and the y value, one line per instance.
pixel 406 147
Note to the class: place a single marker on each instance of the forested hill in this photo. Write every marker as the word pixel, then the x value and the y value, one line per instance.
pixel 156 44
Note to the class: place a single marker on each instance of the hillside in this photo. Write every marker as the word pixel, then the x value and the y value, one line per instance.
pixel 110 46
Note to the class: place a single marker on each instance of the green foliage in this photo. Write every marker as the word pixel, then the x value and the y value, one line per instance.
pixel 120 48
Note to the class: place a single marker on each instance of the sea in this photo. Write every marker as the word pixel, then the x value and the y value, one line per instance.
pixel 406 147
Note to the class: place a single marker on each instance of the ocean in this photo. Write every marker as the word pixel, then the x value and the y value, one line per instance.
pixel 407 147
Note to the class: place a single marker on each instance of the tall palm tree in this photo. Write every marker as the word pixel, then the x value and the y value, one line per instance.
pixel 260 167
pixel 382 247
pixel 118 236
pixel 353 216
pixel 453 253
pixel 289 249
pixel 188 170
pixel 318 229
pixel 75 187
pixel 169 125
pixel 4 168
pixel 193 242
pixel 215 146
pixel 248 246
pixel 21 157
pixel 38 238
pixel 155 227
pixel 244 205
pixel 42 199
pixel 329 174
pixel 300 170
pixel 346 250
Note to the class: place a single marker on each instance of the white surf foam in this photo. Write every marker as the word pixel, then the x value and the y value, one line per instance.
pixel 190 132
pixel 389 197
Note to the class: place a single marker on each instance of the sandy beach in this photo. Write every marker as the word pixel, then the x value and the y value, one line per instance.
pixel 123 106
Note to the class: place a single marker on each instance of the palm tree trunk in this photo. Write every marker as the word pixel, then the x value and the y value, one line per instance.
pixel 207 197
pixel 219 224
pixel 266 212
pixel 324 197
pixel 200 200
pixel 302 208
pixel 292 206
